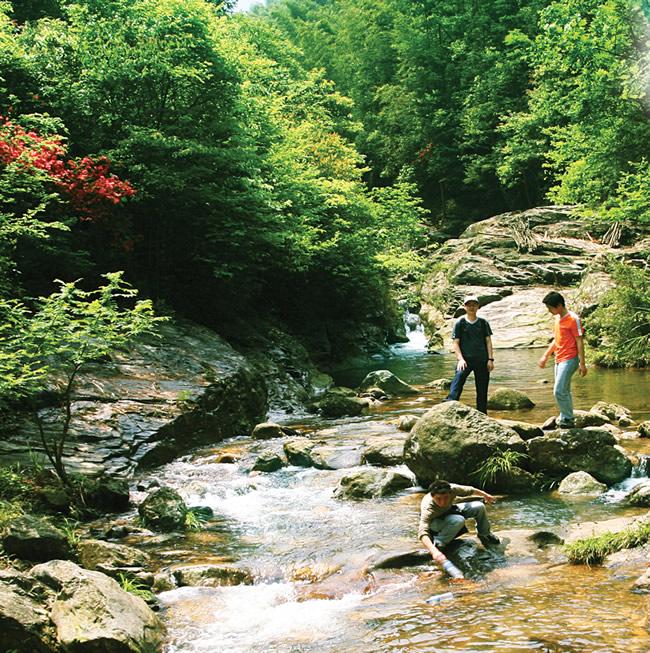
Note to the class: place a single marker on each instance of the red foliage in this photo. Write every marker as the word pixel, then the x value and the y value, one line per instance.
pixel 87 182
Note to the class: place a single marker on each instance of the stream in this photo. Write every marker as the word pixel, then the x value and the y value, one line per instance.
pixel 309 551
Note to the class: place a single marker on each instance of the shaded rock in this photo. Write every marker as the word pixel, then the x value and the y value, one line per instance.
pixel 24 623
pixel 100 555
pixel 298 451
pixel 108 494
pixel 163 581
pixel 399 560
pixel 572 450
pixel 524 429
pixel 644 429
pixel 509 399
pixel 31 538
pixel 544 539
pixel 384 451
pixel 639 495
pixel 374 393
pixel 163 510
pixel 439 384
pixel 407 422
pixel 92 612
pixel 336 404
pixel 549 424
pixel 371 483
pixel 452 440
pixel 211 575
pixel 268 461
pixel 581 483
pixel 388 382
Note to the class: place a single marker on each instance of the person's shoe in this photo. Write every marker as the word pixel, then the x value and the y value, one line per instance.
pixel 489 540
pixel 568 424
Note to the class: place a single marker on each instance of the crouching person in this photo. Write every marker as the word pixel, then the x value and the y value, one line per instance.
pixel 442 519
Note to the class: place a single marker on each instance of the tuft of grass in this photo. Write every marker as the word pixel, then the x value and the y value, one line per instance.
pixel 195 521
pixel 499 464
pixel 135 587
pixel 70 530
pixel 9 511
pixel 593 550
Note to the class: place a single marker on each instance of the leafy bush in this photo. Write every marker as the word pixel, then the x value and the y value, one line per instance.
pixel 619 329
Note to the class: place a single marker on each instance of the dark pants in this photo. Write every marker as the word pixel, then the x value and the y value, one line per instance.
pixel 481 380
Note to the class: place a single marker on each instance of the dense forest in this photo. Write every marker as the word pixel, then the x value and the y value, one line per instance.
pixel 295 163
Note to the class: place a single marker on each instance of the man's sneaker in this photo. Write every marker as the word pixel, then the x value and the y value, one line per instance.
pixel 489 540
pixel 569 424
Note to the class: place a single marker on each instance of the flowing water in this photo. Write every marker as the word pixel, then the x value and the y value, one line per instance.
pixel 309 552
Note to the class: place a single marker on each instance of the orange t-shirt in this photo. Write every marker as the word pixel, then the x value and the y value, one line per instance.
pixel 567 329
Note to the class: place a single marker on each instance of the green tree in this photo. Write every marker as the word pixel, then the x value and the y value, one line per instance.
pixel 65 332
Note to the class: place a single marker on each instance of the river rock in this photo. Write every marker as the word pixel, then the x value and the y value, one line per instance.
pixel 24 621
pixel 441 385
pixel 644 429
pixel 108 494
pixel 509 399
pixel 388 382
pixel 266 431
pixel 584 418
pixel 211 575
pixel 524 429
pixel 642 583
pixel 31 538
pixel 335 457
pixel 92 612
pixel 639 495
pixel 581 483
pixel 337 404
pixel 611 412
pixel 572 450
pixel 110 558
pixel 407 422
pixel 371 483
pixel 268 461
pixel 451 440
pixel 384 450
pixel 163 510
pixel 298 451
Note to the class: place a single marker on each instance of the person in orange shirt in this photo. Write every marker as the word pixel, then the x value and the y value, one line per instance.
pixel 569 350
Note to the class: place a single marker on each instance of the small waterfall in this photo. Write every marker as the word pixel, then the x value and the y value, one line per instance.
pixel 640 470
pixel 417 340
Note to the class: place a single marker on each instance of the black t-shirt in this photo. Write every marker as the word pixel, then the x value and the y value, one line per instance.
pixel 472 337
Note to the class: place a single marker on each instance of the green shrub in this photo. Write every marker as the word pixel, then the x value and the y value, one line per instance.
pixel 619 329
pixel 499 464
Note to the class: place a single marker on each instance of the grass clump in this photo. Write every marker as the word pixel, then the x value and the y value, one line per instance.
pixel 593 550
pixel 499 465
pixel 135 587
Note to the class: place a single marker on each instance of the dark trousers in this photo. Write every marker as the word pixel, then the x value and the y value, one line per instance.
pixel 481 380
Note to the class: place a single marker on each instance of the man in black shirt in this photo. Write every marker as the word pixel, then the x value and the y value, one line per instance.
pixel 473 349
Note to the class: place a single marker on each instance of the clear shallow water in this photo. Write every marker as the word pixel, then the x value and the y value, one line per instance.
pixel 310 552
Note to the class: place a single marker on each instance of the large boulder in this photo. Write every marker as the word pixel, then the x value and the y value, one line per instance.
pixel 581 483
pixel 31 538
pixel 150 404
pixel 509 399
pixel 163 510
pixel 572 450
pixel 611 412
pixel 388 382
pixel 92 613
pixel 452 440
pixel 24 622
pixel 372 483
